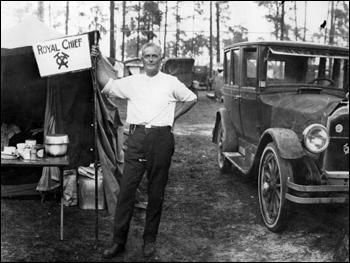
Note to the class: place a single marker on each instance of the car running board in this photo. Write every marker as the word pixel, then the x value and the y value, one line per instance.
pixel 237 159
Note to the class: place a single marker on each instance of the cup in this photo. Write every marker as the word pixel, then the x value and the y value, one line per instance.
pixel 21 146
pixel 30 143
pixel 9 149
pixel 24 153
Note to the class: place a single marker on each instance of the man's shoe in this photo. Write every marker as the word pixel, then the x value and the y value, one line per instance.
pixel 113 251
pixel 148 249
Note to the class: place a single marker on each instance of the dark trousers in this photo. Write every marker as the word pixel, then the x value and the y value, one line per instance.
pixel 148 150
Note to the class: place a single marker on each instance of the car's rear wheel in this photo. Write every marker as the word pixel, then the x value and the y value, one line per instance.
pixel 224 164
pixel 273 174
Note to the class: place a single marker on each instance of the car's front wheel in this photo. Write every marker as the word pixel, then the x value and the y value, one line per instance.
pixel 273 174
pixel 224 164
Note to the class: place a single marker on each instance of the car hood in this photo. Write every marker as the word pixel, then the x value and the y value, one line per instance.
pixel 298 111
pixel 182 68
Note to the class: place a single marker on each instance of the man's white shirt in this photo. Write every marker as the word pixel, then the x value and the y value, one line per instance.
pixel 151 100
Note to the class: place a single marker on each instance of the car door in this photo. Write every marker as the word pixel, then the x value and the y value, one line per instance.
pixel 231 89
pixel 248 104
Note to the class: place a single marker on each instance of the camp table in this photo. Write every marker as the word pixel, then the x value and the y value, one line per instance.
pixel 59 162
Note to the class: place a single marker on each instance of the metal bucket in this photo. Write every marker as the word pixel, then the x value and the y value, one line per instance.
pixel 87 193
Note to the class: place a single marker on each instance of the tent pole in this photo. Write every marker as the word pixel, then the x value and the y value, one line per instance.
pixel 95 137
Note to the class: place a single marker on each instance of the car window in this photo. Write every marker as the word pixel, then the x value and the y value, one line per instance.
pixel 227 67
pixel 275 70
pixel 235 70
pixel 286 69
pixel 249 67
pixel 328 68
pixel 292 69
pixel 231 67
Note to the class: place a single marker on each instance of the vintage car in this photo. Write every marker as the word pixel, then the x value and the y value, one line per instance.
pixel 201 75
pixel 286 120
pixel 182 68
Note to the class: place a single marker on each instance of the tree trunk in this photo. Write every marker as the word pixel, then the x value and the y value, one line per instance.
pixel 165 27
pixel 331 31
pixel 112 41
pixel 138 30
pixel 123 41
pixel 282 21
pixel 148 29
pixel 305 21
pixel 217 32
pixel 67 16
pixel 41 11
pixel 277 27
pixel 177 28
pixel 326 28
pixel 50 14
pixel 192 44
pixel 296 22
pixel 211 45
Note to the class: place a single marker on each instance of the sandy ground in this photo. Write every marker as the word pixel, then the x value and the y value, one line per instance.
pixel 207 216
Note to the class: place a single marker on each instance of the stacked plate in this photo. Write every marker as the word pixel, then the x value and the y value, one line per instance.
pixel 8 156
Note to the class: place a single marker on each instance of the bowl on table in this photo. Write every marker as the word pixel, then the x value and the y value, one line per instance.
pixel 56 145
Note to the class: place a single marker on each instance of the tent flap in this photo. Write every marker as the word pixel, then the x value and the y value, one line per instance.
pixel 58 104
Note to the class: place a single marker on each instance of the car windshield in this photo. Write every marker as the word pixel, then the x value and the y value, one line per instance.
pixel 293 66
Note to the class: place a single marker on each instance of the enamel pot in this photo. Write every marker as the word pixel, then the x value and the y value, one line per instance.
pixel 56 144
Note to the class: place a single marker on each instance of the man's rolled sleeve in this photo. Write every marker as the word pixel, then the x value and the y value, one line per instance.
pixel 192 97
pixel 184 94
pixel 107 88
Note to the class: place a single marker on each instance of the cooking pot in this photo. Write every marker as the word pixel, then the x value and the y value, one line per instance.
pixel 56 144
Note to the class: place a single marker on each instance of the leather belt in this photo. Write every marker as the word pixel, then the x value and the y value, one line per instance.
pixel 147 126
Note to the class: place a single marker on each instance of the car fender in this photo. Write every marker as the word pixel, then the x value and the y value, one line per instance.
pixel 230 141
pixel 287 142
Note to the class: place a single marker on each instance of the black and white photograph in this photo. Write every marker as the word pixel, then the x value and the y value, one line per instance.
pixel 175 131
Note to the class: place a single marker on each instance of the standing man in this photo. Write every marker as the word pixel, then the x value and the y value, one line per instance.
pixel 151 113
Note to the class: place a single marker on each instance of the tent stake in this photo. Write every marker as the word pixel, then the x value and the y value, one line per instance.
pixel 95 137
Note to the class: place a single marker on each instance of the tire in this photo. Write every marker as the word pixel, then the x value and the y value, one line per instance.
pixel 224 165
pixel 273 174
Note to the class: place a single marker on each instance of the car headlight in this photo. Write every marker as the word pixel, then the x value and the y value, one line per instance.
pixel 316 138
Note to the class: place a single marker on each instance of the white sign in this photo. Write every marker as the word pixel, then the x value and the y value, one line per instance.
pixel 63 55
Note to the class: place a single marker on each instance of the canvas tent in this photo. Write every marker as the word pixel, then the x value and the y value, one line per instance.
pixel 117 66
pixel 32 104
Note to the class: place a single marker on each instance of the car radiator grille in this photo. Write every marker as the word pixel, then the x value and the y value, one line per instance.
pixel 338 149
